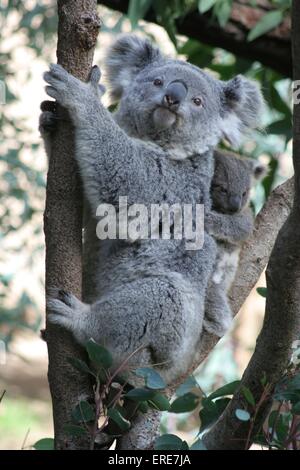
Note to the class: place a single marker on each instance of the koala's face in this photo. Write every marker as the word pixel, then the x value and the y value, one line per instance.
pixel 175 104
pixel 171 104
pixel 232 182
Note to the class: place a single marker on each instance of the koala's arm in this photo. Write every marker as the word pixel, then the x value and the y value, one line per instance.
pixel 233 228
pixel 111 163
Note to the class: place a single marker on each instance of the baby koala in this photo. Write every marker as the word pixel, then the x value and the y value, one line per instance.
pixel 231 223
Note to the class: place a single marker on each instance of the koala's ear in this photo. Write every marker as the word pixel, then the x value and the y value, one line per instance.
pixel 242 103
pixel 126 57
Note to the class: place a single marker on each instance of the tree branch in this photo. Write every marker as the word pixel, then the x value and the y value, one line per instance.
pixel 282 318
pixel 272 49
pixel 77 32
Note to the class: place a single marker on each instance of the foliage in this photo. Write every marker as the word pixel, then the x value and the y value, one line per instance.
pixel 113 396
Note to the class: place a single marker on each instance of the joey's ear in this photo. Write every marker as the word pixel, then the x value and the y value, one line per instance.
pixel 242 106
pixel 259 170
pixel 126 57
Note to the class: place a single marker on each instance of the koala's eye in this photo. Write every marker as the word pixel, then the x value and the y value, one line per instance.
pixel 157 82
pixel 244 193
pixel 198 101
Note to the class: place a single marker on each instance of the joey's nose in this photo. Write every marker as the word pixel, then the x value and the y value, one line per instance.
pixel 234 203
pixel 174 95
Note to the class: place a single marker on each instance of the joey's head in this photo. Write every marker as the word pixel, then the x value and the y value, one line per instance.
pixel 175 104
pixel 232 181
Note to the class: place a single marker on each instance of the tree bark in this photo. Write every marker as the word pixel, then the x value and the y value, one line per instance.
pixel 272 49
pixel 282 318
pixel 78 28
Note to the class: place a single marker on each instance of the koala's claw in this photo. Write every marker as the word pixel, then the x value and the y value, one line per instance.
pixel 48 105
pixel 48 121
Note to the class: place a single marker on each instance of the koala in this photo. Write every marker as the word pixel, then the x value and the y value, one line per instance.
pixel 146 296
pixel 231 221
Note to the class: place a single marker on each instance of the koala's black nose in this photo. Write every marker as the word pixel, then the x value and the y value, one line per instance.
pixel 234 203
pixel 174 95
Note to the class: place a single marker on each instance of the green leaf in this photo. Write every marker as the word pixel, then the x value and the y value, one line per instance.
pixel 268 22
pixel 83 412
pixel 248 395
pixel 44 444
pixel 223 10
pixel 187 385
pixel 143 407
pixel 262 291
pixel 281 127
pixel 117 417
pixel 100 356
pixel 242 415
pixel 140 394
pixel 137 10
pixel 205 5
pixel 185 403
pixel 159 402
pixel 80 365
pixel 168 442
pixel 227 389
pixel 296 408
pixel 152 378
pixel 211 411
pixel 74 431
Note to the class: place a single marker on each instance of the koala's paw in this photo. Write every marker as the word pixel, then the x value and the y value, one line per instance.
pixel 69 91
pixel 48 118
pixel 64 88
pixel 64 309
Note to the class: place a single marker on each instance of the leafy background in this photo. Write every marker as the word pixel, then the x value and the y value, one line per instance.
pixel 27 45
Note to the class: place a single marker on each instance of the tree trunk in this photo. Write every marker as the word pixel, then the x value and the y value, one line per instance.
pixel 77 33
pixel 282 318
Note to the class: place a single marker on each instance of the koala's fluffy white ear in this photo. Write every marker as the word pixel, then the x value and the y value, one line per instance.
pixel 242 106
pixel 127 56
pixel 259 170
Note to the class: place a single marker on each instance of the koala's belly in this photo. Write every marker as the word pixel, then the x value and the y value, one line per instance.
pixel 111 263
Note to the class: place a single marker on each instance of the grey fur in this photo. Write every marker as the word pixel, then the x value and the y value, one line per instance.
pixel 231 223
pixel 148 293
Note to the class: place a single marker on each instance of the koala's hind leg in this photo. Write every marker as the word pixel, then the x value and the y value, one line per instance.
pixel 218 315
pixel 145 313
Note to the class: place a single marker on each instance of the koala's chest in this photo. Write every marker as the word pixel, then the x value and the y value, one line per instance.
pixel 185 184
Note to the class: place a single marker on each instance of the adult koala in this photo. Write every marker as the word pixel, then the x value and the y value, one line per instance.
pixel 157 148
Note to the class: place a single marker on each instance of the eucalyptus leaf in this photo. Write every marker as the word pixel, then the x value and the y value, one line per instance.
pixel 242 415
pixel 185 403
pixel 168 442
pixel 117 417
pixel 99 355
pixel 44 444
pixel 268 22
pixel 152 378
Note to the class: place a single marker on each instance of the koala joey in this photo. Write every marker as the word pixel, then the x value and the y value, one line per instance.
pixel 231 222
pixel 156 148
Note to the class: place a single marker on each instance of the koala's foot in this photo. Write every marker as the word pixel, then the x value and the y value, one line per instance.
pixel 65 310
pixel 71 92
pixel 218 327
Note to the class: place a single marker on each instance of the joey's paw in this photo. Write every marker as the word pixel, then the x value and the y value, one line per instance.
pixel 94 79
pixel 217 327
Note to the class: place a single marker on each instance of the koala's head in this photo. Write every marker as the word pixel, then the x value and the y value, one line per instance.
pixel 175 104
pixel 232 181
